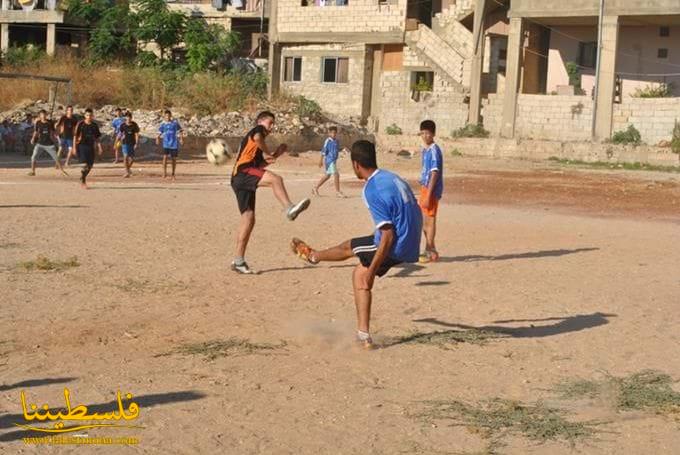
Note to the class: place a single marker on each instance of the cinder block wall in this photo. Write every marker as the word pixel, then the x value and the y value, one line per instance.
pixel 653 117
pixel 343 99
pixel 552 117
pixel 444 105
pixel 359 16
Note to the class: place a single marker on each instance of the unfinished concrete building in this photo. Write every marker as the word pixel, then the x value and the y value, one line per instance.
pixel 523 68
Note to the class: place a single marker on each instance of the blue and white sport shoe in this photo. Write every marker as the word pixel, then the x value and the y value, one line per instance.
pixel 242 269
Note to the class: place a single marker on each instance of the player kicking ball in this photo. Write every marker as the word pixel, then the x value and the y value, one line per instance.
pixel 398 223
pixel 248 175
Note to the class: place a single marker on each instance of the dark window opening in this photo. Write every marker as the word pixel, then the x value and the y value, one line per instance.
pixel 335 70
pixel 587 54
pixel 662 53
pixel 664 31
pixel 292 70
pixel 422 81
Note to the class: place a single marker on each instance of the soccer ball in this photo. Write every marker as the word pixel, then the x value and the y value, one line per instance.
pixel 217 151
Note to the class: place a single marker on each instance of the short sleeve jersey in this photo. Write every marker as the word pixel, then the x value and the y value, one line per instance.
pixel 433 161
pixel 87 134
pixel 330 151
pixel 45 131
pixel 116 124
pixel 391 201
pixel 128 132
pixel 169 132
pixel 249 154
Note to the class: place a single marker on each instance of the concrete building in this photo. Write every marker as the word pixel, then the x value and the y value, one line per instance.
pixel 503 63
pixel 31 21
pixel 250 18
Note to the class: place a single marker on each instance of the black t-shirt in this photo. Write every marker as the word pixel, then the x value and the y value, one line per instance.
pixel 128 132
pixel 87 134
pixel 45 132
pixel 66 126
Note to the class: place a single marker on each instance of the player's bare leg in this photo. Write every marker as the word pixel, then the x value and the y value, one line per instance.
pixel 362 300
pixel 324 179
pixel 165 166
pixel 338 253
pixel 276 183
pixel 430 230
pixel 336 181
pixel 173 161
pixel 245 228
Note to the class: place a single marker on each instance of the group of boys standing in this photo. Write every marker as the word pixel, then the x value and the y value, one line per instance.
pixel 82 138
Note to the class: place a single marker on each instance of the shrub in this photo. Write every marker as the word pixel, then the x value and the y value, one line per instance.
pixel 470 130
pixel 574 73
pixel 628 136
pixel 305 107
pixel 422 86
pixel 660 91
pixel 393 130
pixel 19 56
pixel 675 142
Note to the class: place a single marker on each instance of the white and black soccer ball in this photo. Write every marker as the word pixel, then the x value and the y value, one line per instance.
pixel 218 152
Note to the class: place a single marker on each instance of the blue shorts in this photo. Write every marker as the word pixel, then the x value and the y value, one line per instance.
pixel 66 143
pixel 172 152
pixel 128 150
pixel 331 169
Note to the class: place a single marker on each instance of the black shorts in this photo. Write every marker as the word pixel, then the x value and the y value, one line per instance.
pixel 244 184
pixel 365 248
pixel 86 154
pixel 171 152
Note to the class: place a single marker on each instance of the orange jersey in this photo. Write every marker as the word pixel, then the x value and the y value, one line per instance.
pixel 249 154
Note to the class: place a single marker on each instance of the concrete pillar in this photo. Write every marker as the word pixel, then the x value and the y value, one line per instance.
pixel 607 78
pixel 51 39
pixel 5 4
pixel 512 76
pixel 376 89
pixel 4 38
pixel 274 70
pixel 478 41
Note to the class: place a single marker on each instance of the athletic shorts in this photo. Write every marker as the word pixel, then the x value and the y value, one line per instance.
pixel 432 211
pixel 331 169
pixel 128 150
pixel 244 184
pixel 365 248
pixel 66 143
pixel 86 154
pixel 172 152
pixel 49 149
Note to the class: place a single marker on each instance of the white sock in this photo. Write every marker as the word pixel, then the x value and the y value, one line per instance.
pixel 363 336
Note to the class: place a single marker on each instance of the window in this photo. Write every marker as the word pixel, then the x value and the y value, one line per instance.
pixel 335 70
pixel 662 53
pixel 587 54
pixel 422 81
pixel 323 2
pixel 664 32
pixel 292 71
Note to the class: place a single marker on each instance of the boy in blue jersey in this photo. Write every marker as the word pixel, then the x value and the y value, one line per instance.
pixel 431 188
pixel 329 158
pixel 170 132
pixel 398 223
pixel 116 123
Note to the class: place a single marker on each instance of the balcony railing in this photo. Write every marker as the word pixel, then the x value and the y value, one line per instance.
pixel 248 6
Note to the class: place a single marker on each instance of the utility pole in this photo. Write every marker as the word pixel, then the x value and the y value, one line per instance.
pixel 596 91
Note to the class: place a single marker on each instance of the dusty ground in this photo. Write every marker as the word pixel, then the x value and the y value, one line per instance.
pixel 576 271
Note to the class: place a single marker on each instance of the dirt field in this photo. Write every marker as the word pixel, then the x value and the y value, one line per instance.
pixel 548 274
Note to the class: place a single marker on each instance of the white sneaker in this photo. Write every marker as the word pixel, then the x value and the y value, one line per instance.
pixel 242 269
pixel 297 209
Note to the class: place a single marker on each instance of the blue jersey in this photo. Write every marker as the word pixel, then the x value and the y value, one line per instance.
pixel 116 124
pixel 391 201
pixel 330 151
pixel 170 132
pixel 433 161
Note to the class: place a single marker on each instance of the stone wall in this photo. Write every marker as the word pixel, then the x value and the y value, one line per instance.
pixel 536 150
pixel 653 117
pixel 553 117
pixel 444 104
pixel 345 100
pixel 358 16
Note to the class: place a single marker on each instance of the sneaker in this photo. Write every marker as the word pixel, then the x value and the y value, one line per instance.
pixel 242 269
pixel 31 173
pixel 302 250
pixel 365 344
pixel 297 209
pixel 428 256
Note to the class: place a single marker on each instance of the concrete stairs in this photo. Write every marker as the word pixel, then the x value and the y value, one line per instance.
pixel 447 51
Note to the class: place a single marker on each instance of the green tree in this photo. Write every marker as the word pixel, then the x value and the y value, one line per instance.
pixel 157 24
pixel 208 45
pixel 112 27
